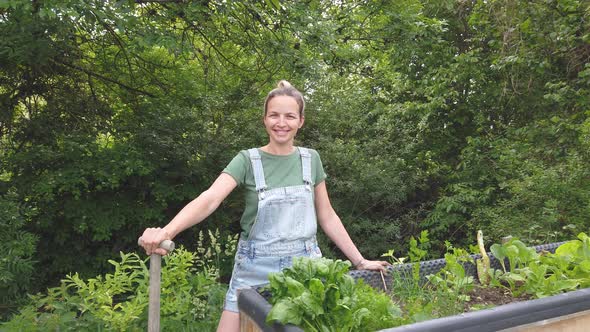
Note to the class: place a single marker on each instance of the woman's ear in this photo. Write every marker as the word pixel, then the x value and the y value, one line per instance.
pixel 301 122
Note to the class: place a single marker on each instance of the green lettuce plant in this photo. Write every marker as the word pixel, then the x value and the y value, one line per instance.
pixel 544 274
pixel 573 258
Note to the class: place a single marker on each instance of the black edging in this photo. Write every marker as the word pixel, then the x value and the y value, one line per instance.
pixel 256 306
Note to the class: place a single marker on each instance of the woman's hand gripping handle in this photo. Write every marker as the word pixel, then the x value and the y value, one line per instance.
pixel 167 245
pixel 156 241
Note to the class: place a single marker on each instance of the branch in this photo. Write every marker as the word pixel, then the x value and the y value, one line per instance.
pixel 117 40
pixel 88 72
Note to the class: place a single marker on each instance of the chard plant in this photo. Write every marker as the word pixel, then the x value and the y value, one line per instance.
pixel 565 270
pixel 319 295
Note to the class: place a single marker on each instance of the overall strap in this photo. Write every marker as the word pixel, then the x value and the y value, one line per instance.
pixel 258 171
pixel 306 166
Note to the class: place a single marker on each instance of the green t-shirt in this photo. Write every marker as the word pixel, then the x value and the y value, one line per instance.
pixel 279 171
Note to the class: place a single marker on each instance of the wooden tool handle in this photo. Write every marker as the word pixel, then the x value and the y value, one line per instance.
pixel 154 288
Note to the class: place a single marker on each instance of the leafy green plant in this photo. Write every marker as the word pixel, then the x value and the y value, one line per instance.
pixel 565 270
pixel 452 278
pixel 436 295
pixel 394 260
pixel 191 296
pixel 78 303
pixel 543 280
pixel 517 253
pixel 412 294
pixel 17 247
pixel 417 251
pixel 546 274
pixel 319 295
pixel 573 258
pixel 439 295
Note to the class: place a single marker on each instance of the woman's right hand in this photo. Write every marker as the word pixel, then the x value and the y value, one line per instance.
pixel 151 239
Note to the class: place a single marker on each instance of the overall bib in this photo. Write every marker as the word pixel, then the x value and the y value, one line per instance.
pixel 285 227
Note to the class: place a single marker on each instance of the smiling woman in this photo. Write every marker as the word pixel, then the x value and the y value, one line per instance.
pixel 285 196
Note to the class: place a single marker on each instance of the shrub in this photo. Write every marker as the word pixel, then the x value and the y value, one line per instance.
pixel 191 296
pixel 17 247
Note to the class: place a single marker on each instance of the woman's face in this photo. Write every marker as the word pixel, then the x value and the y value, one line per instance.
pixel 282 119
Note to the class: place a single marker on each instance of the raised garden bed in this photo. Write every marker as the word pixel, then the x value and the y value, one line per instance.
pixel 565 312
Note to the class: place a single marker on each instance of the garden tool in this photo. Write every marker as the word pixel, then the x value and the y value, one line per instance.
pixel 154 291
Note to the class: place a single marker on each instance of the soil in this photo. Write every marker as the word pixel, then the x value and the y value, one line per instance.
pixel 487 297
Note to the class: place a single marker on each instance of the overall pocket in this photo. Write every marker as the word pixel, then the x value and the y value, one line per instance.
pixel 283 218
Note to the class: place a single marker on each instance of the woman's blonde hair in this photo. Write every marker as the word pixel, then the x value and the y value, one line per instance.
pixel 284 88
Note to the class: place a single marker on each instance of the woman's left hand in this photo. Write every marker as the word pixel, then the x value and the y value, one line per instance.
pixel 372 265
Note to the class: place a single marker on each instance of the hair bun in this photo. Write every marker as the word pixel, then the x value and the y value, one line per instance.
pixel 283 84
pixel 284 88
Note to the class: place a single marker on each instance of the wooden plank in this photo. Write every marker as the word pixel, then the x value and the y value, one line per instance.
pixel 577 322
pixel 247 324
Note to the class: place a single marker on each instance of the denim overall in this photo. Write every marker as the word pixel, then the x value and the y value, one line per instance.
pixel 285 227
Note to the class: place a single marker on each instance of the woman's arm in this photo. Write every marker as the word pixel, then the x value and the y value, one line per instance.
pixel 332 226
pixel 192 214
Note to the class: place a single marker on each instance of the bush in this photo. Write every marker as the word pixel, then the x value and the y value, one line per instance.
pixel 191 296
pixel 17 247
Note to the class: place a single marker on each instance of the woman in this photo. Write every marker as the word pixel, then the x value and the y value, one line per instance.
pixel 286 197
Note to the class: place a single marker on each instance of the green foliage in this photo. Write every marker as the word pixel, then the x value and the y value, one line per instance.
pixel 319 295
pixel 452 278
pixel 446 116
pixel 419 248
pixel 191 296
pixel 546 274
pixel 517 253
pixel 417 252
pixel 17 247
pixel 441 294
pixel 566 270
pixel 573 258
pixel 520 171
pixel 543 280
pixel 539 275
